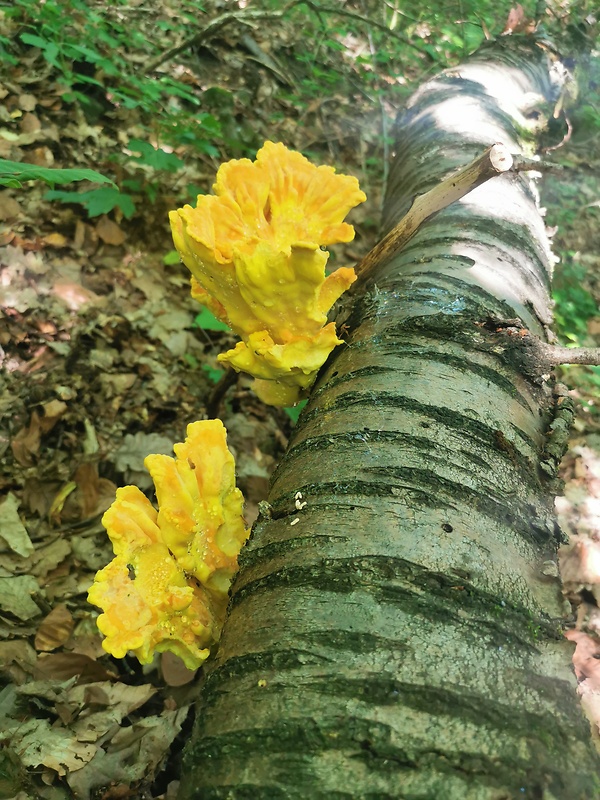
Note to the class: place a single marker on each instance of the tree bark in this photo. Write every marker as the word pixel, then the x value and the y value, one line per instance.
pixel 395 627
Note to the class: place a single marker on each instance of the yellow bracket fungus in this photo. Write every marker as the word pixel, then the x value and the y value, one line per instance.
pixel 166 588
pixel 254 251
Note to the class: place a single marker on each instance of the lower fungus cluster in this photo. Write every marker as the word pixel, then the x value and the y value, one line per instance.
pixel 167 586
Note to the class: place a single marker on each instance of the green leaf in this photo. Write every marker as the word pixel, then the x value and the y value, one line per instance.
pixel 13 170
pixel 214 374
pixel 172 87
pixel 208 322
pixel 85 54
pixel 132 184
pixel 207 148
pixel 125 100
pixel 106 37
pixel 172 257
pixel 97 201
pixel 88 79
pixel 6 57
pixel 34 41
pixel 294 412
pixel 154 157
pixel 108 67
pixel 49 49
pixel 194 191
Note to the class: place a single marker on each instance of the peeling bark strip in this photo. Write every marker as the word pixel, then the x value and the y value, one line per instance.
pixel 401 640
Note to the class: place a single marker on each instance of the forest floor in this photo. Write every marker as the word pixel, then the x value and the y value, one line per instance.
pixel 103 362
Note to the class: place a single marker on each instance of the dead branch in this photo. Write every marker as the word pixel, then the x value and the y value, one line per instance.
pixel 494 161
pixel 213 27
pixel 248 16
pixel 554 355
pixel 524 164
pixel 539 357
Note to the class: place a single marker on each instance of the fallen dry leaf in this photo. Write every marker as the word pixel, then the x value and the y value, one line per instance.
pixel 55 240
pixel 30 123
pixel 132 754
pixel 135 447
pixel 47 557
pixel 127 698
pixel 55 629
pixel 580 562
pixel 16 596
pixel 109 231
pixel 26 444
pixel 39 743
pixel 12 531
pixel 31 245
pixel 27 102
pixel 53 411
pixel 9 207
pixel 590 702
pixel 62 666
pixel 37 495
pixel 40 156
pixel 17 659
pixel 92 494
pixel 174 671
pixel 74 295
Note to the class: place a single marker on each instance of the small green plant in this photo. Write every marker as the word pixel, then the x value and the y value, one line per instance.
pixel 214 374
pixel 172 257
pixel 209 322
pixel 154 157
pixel 294 412
pixel 574 303
pixel 96 201
pixel 89 48
pixel 143 163
pixel 13 174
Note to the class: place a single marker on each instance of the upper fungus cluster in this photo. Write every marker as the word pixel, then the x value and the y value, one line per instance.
pixel 254 249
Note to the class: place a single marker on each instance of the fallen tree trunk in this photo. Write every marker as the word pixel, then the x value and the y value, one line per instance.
pixel 395 627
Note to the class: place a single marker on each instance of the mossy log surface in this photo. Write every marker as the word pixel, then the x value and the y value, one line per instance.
pixel 397 636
